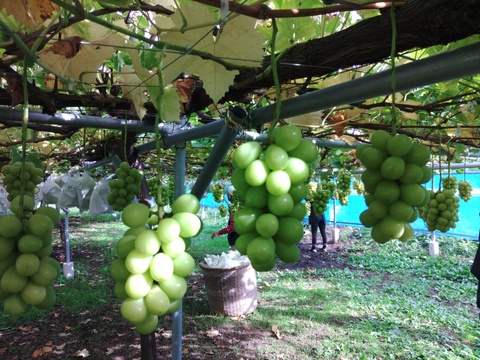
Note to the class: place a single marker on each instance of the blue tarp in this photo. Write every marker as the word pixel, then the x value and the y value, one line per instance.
pixel 467 226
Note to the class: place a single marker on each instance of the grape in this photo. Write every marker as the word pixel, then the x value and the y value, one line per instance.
pixel 152 263
pixel 26 271
pixel 125 187
pixel 343 186
pixel 465 190
pixel 319 196
pixel 217 191
pixel 358 186
pixel 222 210
pixel 441 212
pixel 269 186
pixel 392 185
pixel 18 176
pixel 450 182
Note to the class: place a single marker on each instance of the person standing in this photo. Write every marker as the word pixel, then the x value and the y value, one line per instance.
pixel 317 222
pixel 232 235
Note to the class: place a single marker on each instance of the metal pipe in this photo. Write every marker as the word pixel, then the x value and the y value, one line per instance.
pixel 222 145
pixel 451 65
pixel 179 189
pixel 199 132
pixel 76 120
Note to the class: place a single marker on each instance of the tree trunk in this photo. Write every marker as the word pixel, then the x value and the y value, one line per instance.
pixel 419 24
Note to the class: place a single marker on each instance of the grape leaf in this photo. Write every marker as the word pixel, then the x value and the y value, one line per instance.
pixel 133 88
pixel 30 13
pixel 146 80
pixel 84 64
pixel 238 43
pixel 170 105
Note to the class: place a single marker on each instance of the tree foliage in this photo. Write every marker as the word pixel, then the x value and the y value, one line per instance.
pixel 132 59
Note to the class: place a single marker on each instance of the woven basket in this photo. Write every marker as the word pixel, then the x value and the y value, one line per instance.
pixel 232 291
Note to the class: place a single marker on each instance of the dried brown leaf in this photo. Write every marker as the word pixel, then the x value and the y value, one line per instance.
pixel 42 351
pixel 29 13
pixel 212 333
pixel 68 47
pixel 15 89
pixel 276 331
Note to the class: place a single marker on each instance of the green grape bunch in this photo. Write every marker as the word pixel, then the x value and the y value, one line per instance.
pixel 465 190
pixel 152 262
pixel 395 170
pixel 152 185
pixel 125 187
pixel 441 212
pixel 358 186
pixel 271 182
pixel 217 191
pixel 27 271
pixel 450 182
pixel 330 186
pixel 321 198
pixel 222 209
pixel 343 186
pixel 17 176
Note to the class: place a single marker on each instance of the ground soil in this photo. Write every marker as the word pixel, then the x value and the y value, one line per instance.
pixel 102 333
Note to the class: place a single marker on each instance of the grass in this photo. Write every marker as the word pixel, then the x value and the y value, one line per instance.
pixel 390 301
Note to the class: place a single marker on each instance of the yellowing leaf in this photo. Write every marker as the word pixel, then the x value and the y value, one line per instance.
pixel 238 43
pixel 84 65
pixel 133 88
pixel 144 80
pixel 42 351
pixel 170 105
pixel 29 13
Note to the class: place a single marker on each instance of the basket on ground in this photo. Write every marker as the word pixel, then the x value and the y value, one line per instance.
pixel 231 291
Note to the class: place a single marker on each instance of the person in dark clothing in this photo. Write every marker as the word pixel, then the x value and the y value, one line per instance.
pixel 232 236
pixel 317 222
pixel 475 269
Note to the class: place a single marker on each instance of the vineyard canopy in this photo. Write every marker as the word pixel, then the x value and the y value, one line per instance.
pixel 132 60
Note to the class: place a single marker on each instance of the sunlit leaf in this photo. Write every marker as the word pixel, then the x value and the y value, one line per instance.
pixel 238 43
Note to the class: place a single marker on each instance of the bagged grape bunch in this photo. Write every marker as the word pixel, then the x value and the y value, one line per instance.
pixel 152 263
pixel 27 272
pixel 395 169
pixel 271 182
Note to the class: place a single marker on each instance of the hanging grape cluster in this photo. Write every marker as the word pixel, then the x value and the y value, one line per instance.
pixel 125 187
pixel 152 185
pixel 152 264
pixel 222 209
pixel 450 183
pixel 395 169
pixel 318 197
pixel 358 186
pixel 27 272
pixel 16 177
pixel 465 190
pixel 441 212
pixel 271 185
pixel 344 179
pixel 217 191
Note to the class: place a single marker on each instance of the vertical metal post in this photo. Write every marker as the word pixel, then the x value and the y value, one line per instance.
pixel 179 189
pixel 68 271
